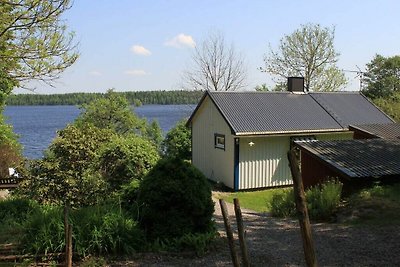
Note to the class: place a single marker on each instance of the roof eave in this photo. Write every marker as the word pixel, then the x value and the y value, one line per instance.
pixel 290 132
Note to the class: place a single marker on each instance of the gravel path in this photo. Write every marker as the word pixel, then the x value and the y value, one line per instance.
pixel 277 242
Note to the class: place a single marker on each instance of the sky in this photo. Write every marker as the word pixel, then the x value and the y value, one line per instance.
pixel 132 45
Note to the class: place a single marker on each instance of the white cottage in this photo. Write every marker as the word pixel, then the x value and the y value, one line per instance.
pixel 242 138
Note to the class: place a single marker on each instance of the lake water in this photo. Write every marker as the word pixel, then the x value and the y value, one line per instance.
pixel 37 125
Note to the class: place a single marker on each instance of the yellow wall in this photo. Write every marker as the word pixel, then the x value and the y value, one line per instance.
pixel 265 164
pixel 214 163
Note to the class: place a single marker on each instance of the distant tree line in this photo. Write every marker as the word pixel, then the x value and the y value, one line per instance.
pixel 134 98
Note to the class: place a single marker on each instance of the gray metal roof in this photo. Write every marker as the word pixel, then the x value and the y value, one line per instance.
pixel 359 158
pixel 387 130
pixel 350 108
pixel 285 112
pixel 269 112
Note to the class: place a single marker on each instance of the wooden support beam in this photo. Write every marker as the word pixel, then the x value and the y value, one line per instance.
pixel 301 206
pixel 229 233
pixel 241 233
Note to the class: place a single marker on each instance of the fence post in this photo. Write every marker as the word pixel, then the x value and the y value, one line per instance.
pixel 301 206
pixel 241 233
pixel 229 233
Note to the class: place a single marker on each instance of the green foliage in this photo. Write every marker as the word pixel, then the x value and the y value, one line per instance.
pixel 178 142
pixel 382 77
pixel 16 210
pixel 66 174
pixel 307 52
pixel 323 200
pixel 44 231
pixel 111 112
pixel 126 158
pixel 282 204
pixel 96 230
pixel 154 134
pixel 134 98
pixel 198 242
pixel 34 42
pixel 175 199
pixel 390 105
pixel 75 147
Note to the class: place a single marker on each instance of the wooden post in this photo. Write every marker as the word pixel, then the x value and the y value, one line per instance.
pixel 301 206
pixel 241 232
pixel 69 247
pixel 66 215
pixel 229 233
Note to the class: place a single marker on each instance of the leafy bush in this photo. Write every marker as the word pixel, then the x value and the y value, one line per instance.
pixel 125 159
pixel 282 204
pixel 322 200
pixel 44 231
pixel 175 200
pixel 16 210
pixel 178 142
pixel 96 230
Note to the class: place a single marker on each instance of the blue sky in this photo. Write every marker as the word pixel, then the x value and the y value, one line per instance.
pixel 134 45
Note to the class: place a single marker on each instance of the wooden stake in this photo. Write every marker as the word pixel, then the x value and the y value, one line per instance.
pixel 229 233
pixel 69 247
pixel 66 215
pixel 241 232
pixel 301 206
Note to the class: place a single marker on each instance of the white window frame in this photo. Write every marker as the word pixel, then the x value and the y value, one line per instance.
pixel 219 141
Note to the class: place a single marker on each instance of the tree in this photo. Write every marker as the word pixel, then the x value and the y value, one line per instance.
pixel 382 77
pixel 112 112
pixel 216 66
pixel 125 159
pixel 34 42
pixel 178 142
pixel 308 52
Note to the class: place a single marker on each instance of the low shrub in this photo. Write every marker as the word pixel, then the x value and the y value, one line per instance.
pixel 16 209
pixel 322 201
pixel 175 200
pixel 96 230
pixel 282 204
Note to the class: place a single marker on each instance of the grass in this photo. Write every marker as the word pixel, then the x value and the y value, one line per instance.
pixel 379 205
pixel 252 200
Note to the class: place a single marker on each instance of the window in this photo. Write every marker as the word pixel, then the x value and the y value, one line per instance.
pixel 219 141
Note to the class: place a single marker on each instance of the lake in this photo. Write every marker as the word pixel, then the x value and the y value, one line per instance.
pixel 37 125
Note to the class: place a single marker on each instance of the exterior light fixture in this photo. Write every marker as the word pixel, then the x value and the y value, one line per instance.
pixel 251 143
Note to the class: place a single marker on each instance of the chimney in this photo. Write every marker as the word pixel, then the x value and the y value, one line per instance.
pixel 296 84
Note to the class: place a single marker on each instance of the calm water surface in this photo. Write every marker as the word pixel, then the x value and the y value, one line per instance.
pixel 37 125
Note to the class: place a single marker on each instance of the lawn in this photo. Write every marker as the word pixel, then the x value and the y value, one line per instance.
pixel 252 200
pixel 378 205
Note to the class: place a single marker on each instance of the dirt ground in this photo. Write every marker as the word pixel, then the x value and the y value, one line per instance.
pixel 277 242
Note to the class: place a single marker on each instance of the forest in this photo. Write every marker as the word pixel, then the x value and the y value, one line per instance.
pixel 136 98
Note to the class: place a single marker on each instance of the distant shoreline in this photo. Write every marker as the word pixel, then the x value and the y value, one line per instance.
pixel 134 98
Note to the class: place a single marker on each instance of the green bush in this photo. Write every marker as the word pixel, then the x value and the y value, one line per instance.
pixel 178 142
pixel 16 210
pixel 125 159
pixel 282 204
pixel 175 200
pixel 96 230
pixel 321 200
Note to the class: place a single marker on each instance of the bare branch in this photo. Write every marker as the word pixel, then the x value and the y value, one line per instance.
pixel 216 67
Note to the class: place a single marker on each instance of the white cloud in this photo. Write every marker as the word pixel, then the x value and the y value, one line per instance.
pixel 140 50
pixel 95 73
pixel 136 72
pixel 181 40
